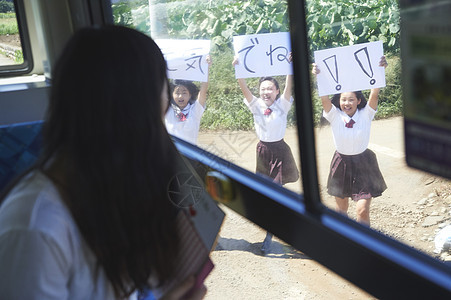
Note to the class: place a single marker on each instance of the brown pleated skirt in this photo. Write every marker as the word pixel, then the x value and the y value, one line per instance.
pixel 275 160
pixel 356 176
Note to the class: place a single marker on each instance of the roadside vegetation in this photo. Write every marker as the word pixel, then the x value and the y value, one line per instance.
pixel 8 23
pixel 8 26
pixel 330 24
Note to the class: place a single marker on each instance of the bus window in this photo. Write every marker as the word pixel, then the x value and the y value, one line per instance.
pixel 408 205
pixel 13 58
pixel 229 128
pixel 346 40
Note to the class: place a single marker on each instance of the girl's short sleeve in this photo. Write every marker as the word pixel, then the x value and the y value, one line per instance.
pixel 286 104
pixel 330 116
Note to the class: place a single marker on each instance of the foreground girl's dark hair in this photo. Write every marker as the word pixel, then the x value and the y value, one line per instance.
pixel 110 155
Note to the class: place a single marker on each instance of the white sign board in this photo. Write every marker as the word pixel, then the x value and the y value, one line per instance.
pixel 186 59
pixel 262 55
pixel 350 68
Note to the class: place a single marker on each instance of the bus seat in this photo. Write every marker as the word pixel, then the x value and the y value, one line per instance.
pixel 20 145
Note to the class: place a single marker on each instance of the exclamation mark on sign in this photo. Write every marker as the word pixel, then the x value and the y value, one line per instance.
pixel 331 64
pixel 363 58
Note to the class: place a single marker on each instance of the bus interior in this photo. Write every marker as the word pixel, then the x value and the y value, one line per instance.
pixel 395 257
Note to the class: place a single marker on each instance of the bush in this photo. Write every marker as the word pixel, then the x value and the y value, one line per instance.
pixel 225 107
pixel 223 19
pixel 6 6
pixel 342 22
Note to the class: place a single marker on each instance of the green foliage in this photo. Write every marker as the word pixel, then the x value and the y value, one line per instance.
pixel 8 28
pixel 347 22
pixel 330 23
pixel 6 6
pixel 8 15
pixel 132 14
pixel 223 19
pixel 18 57
pixel 8 24
pixel 390 97
pixel 225 107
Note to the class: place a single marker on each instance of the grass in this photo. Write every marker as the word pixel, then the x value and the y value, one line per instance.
pixel 8 24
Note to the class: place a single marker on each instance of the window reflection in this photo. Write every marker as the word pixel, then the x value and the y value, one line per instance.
pixel 10 47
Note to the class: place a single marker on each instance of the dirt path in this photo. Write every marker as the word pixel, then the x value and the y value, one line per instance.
pixel 414 207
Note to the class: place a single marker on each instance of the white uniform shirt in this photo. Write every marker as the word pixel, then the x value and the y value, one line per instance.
pixel 187 130
pixel 270 128
pixel 355 140
pixel 42 254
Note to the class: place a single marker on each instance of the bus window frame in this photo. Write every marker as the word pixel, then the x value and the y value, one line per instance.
pixel 27 65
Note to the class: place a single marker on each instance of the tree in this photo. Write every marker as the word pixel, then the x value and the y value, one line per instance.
pixel 6 6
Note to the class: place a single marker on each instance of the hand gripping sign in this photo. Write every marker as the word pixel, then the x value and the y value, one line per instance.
pixel 262 55
pixel 186 59
pixel 350 68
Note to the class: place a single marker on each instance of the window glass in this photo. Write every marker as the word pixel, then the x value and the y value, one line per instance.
pixel 230 126
pixel 409 205
pixel 10 46
pixel 414 205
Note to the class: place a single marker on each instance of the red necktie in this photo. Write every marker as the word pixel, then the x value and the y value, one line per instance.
pixel 268 111
pixel 350 124
pixel 181 116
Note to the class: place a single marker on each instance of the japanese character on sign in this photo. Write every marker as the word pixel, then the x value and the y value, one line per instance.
pixel 262 55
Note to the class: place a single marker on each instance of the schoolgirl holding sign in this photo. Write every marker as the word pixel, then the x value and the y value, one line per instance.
pixel 270 110
pixel 354 171
pixel 187 107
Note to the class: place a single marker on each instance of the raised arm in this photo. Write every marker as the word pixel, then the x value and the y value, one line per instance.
pixel 374 94
pixel 288 91
pixel 325 100
pixel 243 86
pixel 202 96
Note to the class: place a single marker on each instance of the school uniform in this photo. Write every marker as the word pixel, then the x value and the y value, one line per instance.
pixel 40 244
pixel 184 123
pixel 354 171
pixel 274 156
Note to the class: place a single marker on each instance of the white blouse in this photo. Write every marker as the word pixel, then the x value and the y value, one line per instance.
pixel 42 254
pixel 355 140
pixel 188 129
pixel 272 127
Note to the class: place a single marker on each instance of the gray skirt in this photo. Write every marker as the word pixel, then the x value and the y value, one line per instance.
pixel 356 176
